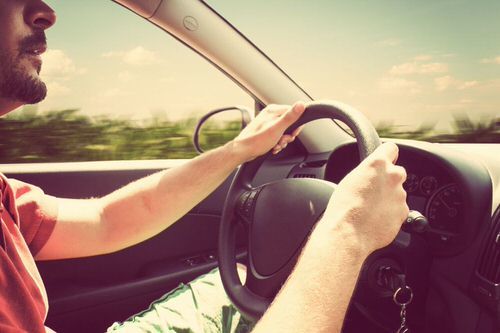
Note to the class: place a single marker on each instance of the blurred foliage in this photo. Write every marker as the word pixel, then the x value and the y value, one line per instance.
pixel 67 135
pixel 463 130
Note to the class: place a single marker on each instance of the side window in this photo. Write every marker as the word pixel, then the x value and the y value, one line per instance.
pixel 119 88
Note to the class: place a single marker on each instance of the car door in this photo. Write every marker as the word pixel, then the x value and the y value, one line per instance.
pixel 133 96
pixel 88 294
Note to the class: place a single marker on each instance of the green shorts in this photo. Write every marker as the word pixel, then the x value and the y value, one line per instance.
pixel 200 306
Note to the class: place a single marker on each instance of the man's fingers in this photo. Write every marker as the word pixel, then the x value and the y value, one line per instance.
pixel 286 139
pixel 386 150
pixel 287 119
pixel 297 131
pixel 280 146
pixel 292 115
pixel 276 149
pixel 277 109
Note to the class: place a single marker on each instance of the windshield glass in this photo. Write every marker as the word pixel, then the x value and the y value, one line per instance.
pixel 426 69
pixel 118 88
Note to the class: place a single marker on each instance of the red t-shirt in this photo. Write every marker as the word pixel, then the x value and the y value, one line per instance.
pixel 27 219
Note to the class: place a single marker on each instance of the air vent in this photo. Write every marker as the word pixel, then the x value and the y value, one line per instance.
pixel 304 175
pixel 489 264
pixel 486 283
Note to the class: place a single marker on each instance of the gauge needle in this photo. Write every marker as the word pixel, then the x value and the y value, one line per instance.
pixel 444 203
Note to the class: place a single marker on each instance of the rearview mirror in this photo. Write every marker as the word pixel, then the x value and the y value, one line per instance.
pixel 219 127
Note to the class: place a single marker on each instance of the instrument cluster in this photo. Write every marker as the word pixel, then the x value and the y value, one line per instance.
pixel 431 190
pixel 439 200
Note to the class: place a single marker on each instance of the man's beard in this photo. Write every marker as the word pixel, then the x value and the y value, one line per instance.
pixel 15 82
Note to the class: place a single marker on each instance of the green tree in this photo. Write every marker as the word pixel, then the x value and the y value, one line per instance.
pixel 68 135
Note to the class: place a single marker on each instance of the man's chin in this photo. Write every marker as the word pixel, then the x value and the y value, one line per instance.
pixel 21 82
pixel 31 91
pixel 38 96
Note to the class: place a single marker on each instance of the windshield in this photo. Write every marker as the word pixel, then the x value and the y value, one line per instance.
pixel 426 69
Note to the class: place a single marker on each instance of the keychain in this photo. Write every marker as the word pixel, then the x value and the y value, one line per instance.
pixel 403 328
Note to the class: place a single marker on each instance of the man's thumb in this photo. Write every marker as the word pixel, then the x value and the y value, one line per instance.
pixel 293 114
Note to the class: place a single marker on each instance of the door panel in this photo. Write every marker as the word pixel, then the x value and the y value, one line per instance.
pixel 89 294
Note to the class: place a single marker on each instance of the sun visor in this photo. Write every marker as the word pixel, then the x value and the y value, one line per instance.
pixel 145 8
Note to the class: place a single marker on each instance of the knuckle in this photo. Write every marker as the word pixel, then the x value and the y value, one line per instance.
pixel 378 162
pixel 395 177
pixel 397 174
pixel 403 196
pixel 402 171
pixel 405 211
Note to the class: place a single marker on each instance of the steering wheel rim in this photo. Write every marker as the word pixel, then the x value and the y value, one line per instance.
pixel 248 302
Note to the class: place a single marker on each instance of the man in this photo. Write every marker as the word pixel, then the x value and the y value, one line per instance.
pixel 36 226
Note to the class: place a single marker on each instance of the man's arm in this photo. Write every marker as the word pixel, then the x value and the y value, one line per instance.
pixel 144 208
pixel 364 214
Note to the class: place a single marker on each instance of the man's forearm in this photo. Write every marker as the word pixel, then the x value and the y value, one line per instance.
pixel 314 299
pixel 144 208
pixel 137 211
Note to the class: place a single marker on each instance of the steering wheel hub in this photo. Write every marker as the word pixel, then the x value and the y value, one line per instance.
pixel 275 235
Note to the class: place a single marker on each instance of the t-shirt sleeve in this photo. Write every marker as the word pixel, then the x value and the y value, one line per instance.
pixel 37 214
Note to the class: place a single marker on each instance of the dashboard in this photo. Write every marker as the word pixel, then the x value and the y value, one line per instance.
pixel 453 192
pixel 453 266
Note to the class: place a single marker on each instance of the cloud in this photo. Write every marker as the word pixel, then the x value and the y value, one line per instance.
pixel 491 85
pixel 465 101
pixel 448 82
pixel 57 69
pixel 431 68
pixel 138 56
pixel 57 89
pixel 416 67
pixel 495 60
pixel 125 76
pixel 58 65
pixel 113 92
pixel 423 57
pixel 397 85
pixel 462 85
pixel 404 69
pixel 389 42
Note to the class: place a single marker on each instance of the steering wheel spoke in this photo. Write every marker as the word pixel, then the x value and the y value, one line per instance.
pixel 245 205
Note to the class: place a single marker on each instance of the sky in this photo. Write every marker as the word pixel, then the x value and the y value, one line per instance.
pixel 403 62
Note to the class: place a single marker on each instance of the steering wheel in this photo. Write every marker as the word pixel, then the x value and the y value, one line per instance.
pixel 279 216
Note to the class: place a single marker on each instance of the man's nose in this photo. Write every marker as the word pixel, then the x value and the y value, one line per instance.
pixel 39 15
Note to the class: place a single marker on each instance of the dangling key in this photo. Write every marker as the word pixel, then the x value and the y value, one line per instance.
pixel 403 328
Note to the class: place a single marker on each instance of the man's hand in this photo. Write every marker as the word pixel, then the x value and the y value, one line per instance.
pixel 364 214
pixel 265 132
pixel 370 201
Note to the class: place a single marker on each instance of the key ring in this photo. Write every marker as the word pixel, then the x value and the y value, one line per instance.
pixel 398 292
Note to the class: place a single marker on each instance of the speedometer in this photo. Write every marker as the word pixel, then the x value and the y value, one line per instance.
pixel 444 208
